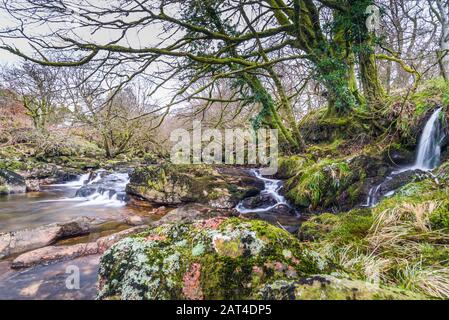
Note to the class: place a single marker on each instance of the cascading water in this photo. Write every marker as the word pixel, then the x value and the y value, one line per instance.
pixel 429 148
pixel 104 189
pixel 427 157
pixel 272 188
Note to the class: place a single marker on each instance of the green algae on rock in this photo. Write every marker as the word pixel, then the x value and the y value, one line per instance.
pixel 219 258
pixel 175 184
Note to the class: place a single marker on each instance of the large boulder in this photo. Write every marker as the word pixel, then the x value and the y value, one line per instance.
pixel 335 185
pixel 11 182
pixel 176 184
pixel 16 242
pixel 326 287
pixel 218 258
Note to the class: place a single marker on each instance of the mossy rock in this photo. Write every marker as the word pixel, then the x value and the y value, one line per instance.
pixel 11 182
pixel 218 258
pixel 289 166
pixel 170 184
pixel 326 287
pixel 341 228
pixel 319 127
pixel 334 184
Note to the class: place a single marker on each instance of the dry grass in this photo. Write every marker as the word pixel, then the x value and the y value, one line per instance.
pixel 391 253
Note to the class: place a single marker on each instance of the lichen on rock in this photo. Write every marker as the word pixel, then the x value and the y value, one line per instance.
pixel 219 258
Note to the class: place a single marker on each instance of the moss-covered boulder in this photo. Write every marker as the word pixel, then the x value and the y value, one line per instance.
pixel 326 287
pixel 175 184
pixel 11 182
pixel 338 228
pixel 335 184
pixel 219 258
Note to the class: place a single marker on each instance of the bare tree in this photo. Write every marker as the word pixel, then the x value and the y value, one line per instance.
pixel 39 91
pixel 440 8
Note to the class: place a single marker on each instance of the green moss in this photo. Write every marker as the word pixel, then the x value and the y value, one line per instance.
pixel 290 166
pixel 341 228
pixel 321 185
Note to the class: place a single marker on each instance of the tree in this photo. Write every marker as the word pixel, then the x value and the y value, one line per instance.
pixel 38 89
pixel 440 8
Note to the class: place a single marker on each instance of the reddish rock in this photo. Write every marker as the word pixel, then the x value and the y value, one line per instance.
pixel 54 253
pixel 156 237
pixel 192 285
pixel 212 223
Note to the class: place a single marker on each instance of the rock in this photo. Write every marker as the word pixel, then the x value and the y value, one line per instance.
pixel 136 220
pixel 52 254
pixel 32 186
pixel 11 182
pixel 218 258
pixel 47 173
pixel 176 184
pixel 261 201
pixel 399 180
pixel 86 191
pixel 190 213
pixel 286 222
pixel 399 156
pixel 104 243
pixel 326 287
pixel 29 239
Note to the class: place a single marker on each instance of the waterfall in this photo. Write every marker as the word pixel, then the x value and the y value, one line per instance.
pixel 429 148
pixel 272 188
pixel 427 157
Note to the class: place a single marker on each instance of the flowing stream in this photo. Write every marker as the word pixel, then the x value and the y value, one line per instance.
pixel 428 155
pixel 271 190
pixel 101 196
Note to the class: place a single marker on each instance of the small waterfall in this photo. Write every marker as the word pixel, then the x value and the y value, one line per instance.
pixel 101 189
pixel 427 158
pixel 272 188
pixel 429 148
pixel 108 190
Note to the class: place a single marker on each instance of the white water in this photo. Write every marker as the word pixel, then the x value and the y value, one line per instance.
pixel 272 188
pixel 98 198
pixel 73 184
pixel 427 157
pixel 429 148
pixel 104 199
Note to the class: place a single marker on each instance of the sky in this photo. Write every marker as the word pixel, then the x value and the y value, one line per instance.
pixel 136 39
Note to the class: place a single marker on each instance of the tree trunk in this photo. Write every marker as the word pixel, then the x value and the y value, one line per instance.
pixel 372 87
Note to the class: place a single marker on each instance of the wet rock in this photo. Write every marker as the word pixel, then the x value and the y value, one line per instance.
pixel 86 191
pixel 11 182
pixel 32 186
pixel 326 287
pixel 261 201
pixel 218 258
pixel 399 156
pixel 53 254
pixel 399 180
pixel 29 239
pixel 177 184
pixel 334 185
pixel 46 173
